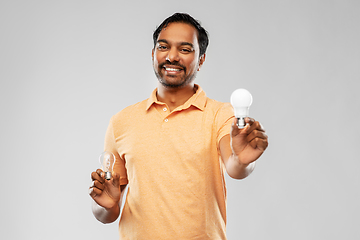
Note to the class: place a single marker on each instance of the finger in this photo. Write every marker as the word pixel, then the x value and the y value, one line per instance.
pixel 263 144
pixel 259 143
pixel 94 192
pixel 97 184
pixel 99 171
pixel 258 140
pixel 255 125
pixel 97 176
pixel 101 174
pixel 249 120
pixel 234 128
pixel 256 134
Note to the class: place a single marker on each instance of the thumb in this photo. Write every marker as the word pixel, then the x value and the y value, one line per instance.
pixel 115 179
pixel 234 128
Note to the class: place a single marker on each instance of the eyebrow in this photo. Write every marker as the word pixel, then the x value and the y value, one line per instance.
pixel 181 43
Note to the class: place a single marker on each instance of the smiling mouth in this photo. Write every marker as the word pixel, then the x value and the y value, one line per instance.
pixel 172 69
pixel 169 69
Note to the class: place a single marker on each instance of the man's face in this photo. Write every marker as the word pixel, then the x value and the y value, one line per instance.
pixel 176 55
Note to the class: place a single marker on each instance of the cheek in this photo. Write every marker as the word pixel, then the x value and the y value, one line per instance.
pixel 155 61
pixel 192 64
pixel 158 58
pixel 159 54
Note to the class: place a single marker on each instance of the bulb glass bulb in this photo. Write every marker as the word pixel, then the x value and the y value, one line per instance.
pixel 241 100
pixel 107 161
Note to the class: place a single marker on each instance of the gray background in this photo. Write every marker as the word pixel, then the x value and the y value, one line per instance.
pixel 68 66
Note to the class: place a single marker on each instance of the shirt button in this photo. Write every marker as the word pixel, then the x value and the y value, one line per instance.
pixel 166 120
pixel 165 109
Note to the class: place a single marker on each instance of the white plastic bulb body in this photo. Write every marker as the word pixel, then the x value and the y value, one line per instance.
pixel 107 161
pixel 241 100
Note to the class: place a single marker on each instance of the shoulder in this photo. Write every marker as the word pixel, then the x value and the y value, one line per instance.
pixel 219 107
pixel 221 113
pixel 130 112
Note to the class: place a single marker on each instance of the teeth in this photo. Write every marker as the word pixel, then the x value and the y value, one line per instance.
pixel 172 69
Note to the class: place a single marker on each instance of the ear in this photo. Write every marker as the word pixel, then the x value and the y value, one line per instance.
pixel 201 60
pixel 152 54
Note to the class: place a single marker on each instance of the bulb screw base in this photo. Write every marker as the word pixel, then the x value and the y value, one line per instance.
pixel 107 175
pixel 240 122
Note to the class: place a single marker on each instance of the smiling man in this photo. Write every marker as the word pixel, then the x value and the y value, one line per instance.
pixel 174 165
pixel 179 40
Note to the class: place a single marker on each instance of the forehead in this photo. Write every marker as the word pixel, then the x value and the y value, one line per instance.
pixel 179 32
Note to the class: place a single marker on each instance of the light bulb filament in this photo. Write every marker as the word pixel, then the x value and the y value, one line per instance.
pixel 107 161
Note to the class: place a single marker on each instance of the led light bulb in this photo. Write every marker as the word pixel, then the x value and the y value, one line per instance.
pixel 241 101
pixel 107 160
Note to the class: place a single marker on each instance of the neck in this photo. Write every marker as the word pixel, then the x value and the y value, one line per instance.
pixel 174 97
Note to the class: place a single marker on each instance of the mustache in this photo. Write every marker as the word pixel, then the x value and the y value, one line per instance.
pixel 167 62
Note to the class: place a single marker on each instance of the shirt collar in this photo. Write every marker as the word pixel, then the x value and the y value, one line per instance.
pixel 197 100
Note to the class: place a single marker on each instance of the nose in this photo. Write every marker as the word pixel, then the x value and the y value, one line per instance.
pixel 173 55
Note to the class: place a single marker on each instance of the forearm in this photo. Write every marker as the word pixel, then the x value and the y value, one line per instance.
pixel 236 169
pixel 105 215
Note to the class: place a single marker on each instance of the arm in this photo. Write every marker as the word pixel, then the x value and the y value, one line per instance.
pixel 242 148
pixel 106 195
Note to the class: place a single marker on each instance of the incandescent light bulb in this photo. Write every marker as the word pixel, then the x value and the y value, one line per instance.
pixel 107 160
pixel 241 101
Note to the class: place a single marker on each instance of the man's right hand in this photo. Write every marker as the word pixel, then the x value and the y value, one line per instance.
pixel 106 193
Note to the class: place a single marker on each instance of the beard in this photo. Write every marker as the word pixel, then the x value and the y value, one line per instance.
pixel 179 83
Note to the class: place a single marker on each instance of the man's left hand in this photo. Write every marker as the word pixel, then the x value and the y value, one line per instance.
pixel 249 143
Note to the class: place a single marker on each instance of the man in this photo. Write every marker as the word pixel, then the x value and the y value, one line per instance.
pixel 172 149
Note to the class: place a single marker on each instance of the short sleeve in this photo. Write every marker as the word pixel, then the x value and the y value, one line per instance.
pixel 110 146
pixel 224 119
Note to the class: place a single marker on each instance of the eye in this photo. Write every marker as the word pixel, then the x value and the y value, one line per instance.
pixel 162 47
pixel 186 50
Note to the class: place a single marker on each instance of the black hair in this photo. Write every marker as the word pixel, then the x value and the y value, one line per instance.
pixel 185 18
